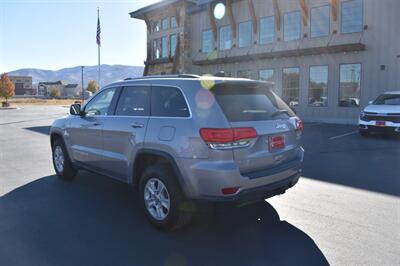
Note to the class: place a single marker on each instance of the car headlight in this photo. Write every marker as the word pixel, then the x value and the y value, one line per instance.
pixel 362 114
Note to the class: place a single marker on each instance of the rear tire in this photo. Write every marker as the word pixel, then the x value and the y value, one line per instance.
pixel 160 189
pixel 364 132
pixel 61 161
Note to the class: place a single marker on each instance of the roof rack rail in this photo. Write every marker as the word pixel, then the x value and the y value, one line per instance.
pixel 166 77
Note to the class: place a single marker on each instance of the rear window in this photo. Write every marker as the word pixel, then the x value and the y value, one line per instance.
pixel 388 99
pixel 250 102
pixel 168 102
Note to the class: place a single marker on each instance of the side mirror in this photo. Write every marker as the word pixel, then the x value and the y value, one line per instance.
pixel 370 102
pixel 75 109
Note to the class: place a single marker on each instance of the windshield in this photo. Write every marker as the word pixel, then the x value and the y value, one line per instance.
pixel 250 102
pixel 388 99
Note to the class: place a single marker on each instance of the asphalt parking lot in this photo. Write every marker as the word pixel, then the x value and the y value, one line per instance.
pixel 344 210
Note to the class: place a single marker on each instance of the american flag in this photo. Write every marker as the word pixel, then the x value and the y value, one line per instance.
pixel 98 32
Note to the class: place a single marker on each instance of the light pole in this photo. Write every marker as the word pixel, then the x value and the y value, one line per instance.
pixel 83 90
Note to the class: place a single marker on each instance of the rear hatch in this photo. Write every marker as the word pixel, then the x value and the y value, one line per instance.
pixel 250 104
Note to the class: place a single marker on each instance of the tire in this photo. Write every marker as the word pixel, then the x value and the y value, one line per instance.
pixel 163 182
pixel 65 171
pixel 364 132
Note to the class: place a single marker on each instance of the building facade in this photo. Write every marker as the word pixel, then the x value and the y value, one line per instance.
pixel 66 90
pixel 23 85
pixel 327 58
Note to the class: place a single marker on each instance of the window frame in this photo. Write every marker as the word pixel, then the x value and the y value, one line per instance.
pixel 327 87
pixel 169 117
pixel 329 21
pixel 274 27
pixel 283 22
pixel 219 37
pixel 360 93
pixel 250 33
pixel 341 17
pixel 202 40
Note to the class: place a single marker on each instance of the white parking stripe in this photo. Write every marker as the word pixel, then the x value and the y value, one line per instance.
pixel 343 135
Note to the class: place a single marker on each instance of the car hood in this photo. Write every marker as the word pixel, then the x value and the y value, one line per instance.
pixel 382 109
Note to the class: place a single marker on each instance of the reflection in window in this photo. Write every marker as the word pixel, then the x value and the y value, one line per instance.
pixel 352 16
pixel 267 30
pixel 290 86
pixel 174 23
pixel 134 101
pixel 168 102
pixel 172 44
pixel 245 32
pixel 225 38
pixel 267 75
pixel 350 84
pixel 320 20
pixel 100 104
pixel 164 47
pixel 165 24
pixel 318 87
pixel 291 26
pixel 244 74
pixel 207 41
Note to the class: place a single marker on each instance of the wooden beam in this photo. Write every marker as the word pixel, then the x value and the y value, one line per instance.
pixel 149 44
pixel 277 14
pixel 253 16
pixel 212 21
pixel 231 17
pixel 177 17
pixel 304 11
pixel 334 7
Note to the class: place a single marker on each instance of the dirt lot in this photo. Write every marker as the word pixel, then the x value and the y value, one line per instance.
pixel 36 101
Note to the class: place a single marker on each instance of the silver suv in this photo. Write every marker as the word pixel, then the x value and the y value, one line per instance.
pixel 182 140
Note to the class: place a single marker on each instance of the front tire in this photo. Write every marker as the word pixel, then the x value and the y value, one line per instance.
pixel 162 199
pixel 61 161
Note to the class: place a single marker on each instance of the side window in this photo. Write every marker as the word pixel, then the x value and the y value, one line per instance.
pixel 100 104
pixel 134 101
pixel 168 102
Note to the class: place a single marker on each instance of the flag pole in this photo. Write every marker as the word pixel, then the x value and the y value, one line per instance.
pixel 98 45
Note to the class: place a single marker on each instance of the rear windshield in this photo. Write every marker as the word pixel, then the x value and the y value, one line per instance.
pixel 250 102
pixel 388 99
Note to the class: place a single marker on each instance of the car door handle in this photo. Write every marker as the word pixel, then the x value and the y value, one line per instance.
pixel 137 125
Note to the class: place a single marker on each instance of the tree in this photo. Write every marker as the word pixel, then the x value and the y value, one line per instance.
pixel 7 88
pixel 55 93
pixel 92 86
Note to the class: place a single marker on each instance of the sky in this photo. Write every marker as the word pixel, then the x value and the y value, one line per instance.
pixel 55 34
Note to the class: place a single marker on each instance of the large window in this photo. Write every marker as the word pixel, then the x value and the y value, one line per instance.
pixel 291 26
pixel 352 16
pixel 320 21
pixel 267 75
pixel 156 26
pixel 244 74
pixel 318 86
pixel 245 32
pixel 225 42
pixel 172 44
pixel 168 101
pixel 165 24
pixel 134 101
pixel 207 41
pixel 164 47
pixel 100 104
pixel 156 48
pixel 174 23
pixel 267 30
pixel 290 86
pixel 350 84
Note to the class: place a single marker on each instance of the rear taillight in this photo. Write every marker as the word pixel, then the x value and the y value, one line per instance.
pixel 229 190
pixel 276 142
pixel 299 126
pixel 227 138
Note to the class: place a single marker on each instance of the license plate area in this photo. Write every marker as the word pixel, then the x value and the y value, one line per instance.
pixel 276 142
pixel 380 123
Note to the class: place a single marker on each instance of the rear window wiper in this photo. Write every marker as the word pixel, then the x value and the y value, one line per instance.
pixel 279 112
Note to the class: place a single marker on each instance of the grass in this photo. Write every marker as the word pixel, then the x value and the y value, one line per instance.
pixel 36 101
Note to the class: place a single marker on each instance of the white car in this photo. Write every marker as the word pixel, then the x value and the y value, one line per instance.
pixel 381 115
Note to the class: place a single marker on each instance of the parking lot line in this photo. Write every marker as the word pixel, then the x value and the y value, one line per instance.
pixel 343 135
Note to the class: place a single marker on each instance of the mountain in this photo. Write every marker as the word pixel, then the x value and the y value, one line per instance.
pixel 109 73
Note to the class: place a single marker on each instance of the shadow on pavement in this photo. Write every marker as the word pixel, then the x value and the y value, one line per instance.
pixel 370 163
pixel 41 129
pixel 97 221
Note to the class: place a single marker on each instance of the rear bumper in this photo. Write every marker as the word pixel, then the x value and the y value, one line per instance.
pixel 206 179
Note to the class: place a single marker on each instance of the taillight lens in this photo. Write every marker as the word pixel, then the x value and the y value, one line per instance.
pixel 226 138
pixel 276 142
pixel 299 126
